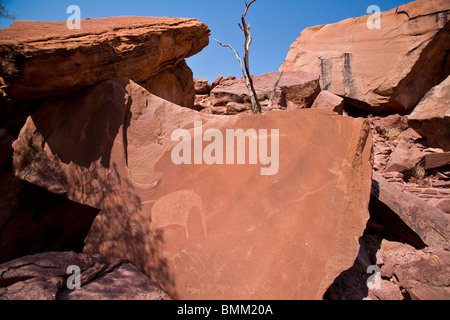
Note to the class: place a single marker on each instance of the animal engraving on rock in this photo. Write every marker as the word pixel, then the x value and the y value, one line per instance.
pixel 176 208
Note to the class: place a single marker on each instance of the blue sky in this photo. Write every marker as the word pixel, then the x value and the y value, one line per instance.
pixel 275 24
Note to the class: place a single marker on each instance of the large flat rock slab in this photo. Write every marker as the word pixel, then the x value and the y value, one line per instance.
pixel 207 231
pixel 41 59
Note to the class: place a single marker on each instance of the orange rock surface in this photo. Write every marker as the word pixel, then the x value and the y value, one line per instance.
pixel 206 231
pixel 385 70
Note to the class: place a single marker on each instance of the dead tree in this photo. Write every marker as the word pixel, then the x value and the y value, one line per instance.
pixel 256 106
pixel 274 90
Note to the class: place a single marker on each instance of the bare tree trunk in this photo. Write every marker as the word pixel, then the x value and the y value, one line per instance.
pixel 272 96
pixel 256 106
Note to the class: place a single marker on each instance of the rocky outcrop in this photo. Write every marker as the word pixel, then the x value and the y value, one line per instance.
pixel 41 62
pixel 392 270
pixel 422 274
pixel 404 159
pixel 202 86
pixel 383 71
pixel 431 117
pixel 41 59
pixel 285 236
pixel 294 90
pixel 52 276
pixel 407 215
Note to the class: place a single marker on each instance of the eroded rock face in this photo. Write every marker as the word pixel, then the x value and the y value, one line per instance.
pixel 387 70
pixel 285 236
pixel 401 272
pixel 45 276
pixel 407 215
pixel 294 90
pixel 431 117
pixel 41 59
pixel 202 86
pixel 423 274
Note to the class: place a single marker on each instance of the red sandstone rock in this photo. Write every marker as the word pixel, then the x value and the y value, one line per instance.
pixel 202 86
pixel 216 82
pixel 295 90
pixel 394 121
pixel 329 101
pixel 436 160
pixel 286 236
pixel 405 157
pixel 431 118
pixel 407 215
pixel 424 274
pixel 44 276
pixel 42 59
pixel 387 70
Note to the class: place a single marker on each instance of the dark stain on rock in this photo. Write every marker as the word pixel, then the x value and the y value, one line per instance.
pixel 349 86
pixel 326 66
pixel 441 18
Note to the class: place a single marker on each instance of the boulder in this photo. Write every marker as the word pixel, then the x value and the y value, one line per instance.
pixel 405 157
pixel 386 291
pixel 41 59
pixel 216 82
pixel 201 86
pixel 431 117
pixel 436 160
pixel 399 272
pixel 386 70
pixel 394 121
pixel 409 135
pixel 295 90
pixel 283 228
pixel 407 215
pixel 45 276
pixel 423 274
pixel 329 101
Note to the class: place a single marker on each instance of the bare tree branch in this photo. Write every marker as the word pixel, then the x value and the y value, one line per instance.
pixel 247 5
pixel 256 106
pixel 238 56
pixel 272 96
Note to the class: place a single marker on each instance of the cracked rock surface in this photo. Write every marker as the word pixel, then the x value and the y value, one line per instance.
pixel 46 276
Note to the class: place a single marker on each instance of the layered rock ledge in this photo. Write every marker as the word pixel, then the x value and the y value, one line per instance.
pixel 41 59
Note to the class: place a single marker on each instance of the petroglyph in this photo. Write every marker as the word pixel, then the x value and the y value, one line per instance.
pixel 176 208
